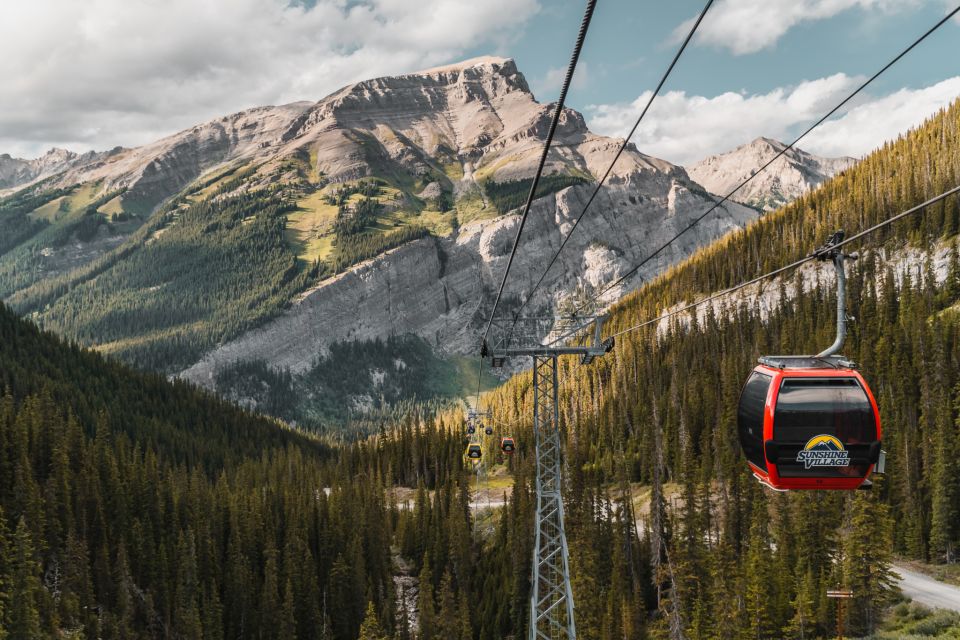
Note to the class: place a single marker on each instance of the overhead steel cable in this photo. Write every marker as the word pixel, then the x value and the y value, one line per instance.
pixel 571 67
pixel 616 157
pixel 479 381
pixel 597 297
pixel 792 265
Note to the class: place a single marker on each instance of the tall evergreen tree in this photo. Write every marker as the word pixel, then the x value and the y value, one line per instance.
pixel 370 629
pixel 426 607
pixel 866 565
pixel 23 620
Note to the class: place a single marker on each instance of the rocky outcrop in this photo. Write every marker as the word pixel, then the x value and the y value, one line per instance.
pixel 791 175
pixel 15 172
pixel 441 289
pixel 440 133
pixel 159 170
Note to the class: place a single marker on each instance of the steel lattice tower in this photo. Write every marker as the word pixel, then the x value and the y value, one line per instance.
pixel 551 600
pixel 551 596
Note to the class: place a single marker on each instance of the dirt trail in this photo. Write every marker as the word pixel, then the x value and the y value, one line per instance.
pixel 927 591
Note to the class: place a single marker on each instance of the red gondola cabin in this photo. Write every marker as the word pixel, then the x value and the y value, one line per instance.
pixel 507 446
pixel 809 423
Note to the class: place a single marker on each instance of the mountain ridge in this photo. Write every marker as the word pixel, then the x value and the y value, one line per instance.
pixel 382 209
pixel 788 177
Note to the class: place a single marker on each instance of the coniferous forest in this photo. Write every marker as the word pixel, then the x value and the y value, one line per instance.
pixel 136 507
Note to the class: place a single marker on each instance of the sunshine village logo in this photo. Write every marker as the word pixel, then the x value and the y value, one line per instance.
pixel 824 451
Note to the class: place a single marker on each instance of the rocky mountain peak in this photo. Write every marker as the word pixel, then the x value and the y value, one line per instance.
pixel 795 172
pixel 17 171
pixel 486 77
pixel 477 83
pixel 58 153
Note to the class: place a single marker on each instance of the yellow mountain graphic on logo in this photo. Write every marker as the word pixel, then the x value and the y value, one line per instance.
pixel 824 439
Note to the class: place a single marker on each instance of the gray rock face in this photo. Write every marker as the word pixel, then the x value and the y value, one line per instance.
pixel 461 124
pixel 442 289
pixel 159 170
pixel 15 172
pixel 794 173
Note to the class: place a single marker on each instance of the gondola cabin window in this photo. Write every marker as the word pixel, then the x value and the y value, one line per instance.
pixel 812 407
pixel 753 401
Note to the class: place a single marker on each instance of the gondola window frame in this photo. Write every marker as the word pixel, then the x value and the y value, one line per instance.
pixel 751 416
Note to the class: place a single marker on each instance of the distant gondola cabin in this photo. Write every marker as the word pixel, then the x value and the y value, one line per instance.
pixel 808 423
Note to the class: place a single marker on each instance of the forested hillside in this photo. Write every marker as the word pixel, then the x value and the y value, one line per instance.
pixel 384 209
pixel 354 384
pixel 132 507
pixel 146 300
pixel 137 508
pixel 661 408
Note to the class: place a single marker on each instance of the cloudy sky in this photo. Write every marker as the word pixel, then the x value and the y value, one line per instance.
pixel 101 73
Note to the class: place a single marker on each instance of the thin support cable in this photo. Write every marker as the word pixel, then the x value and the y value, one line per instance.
pixel 616 157
pixel 581 36
pixel 792 265
pixel 598 296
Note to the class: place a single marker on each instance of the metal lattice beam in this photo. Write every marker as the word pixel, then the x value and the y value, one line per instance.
pixel 545 339
pixel 551 598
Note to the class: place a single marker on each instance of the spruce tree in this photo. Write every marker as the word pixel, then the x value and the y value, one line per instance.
pixel 426 607
pixel 370 629
pixel 803 623
pixel 187 619
pixel 945 509
pixel 288 620
pixel 759 577
pixel 23 620
pixel 448 619
pixel 6 561
pixel 866 567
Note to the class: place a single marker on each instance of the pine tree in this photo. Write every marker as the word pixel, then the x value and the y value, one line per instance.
pixel 23 620
pixel 370 629
pixel 866 565
pixel 187 620
pixel 346 597
pixel 125 604
pixel 759 576
pixel 212 611
pixel 945 509
pixel 288 620
pixel 463 611
pixel 803 623
pixel 270 605
pixel 6 560
pixel 77 601
pixel 426 608
pixel 448 620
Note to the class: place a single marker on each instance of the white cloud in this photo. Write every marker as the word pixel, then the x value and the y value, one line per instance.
pixel 99 73
pixel 748 26
pixel 684 129
pixel 869 125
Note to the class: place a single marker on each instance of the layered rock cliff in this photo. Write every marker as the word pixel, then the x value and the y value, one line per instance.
pixel 794 173
pixel 437 143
